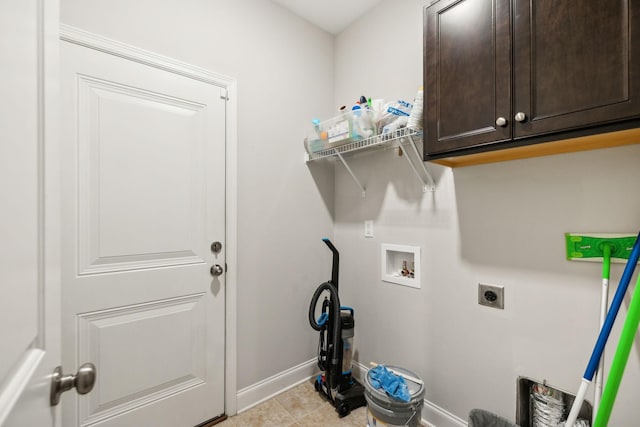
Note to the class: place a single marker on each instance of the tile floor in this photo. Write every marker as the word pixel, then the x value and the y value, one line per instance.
pixel 300 406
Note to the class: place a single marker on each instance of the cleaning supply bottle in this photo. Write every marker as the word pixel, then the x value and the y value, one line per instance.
pixel 415 119
pixel 363 123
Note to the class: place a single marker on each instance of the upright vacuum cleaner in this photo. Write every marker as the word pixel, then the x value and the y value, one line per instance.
pixel 335 347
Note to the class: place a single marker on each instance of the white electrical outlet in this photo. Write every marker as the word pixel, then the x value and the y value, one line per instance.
pixel 368 228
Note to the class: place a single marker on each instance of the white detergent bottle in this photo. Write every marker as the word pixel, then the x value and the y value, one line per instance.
pixel 415 118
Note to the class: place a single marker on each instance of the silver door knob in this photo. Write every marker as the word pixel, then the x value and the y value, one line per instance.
pixel 520 117
pixel 83 381
pixel 501 122
pixel 216 270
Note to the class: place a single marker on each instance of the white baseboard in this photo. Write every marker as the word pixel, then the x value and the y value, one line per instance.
pixel 435 416
pixel 358 370
pixel 257 393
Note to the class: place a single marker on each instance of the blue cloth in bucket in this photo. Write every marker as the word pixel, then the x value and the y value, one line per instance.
pixel 394 385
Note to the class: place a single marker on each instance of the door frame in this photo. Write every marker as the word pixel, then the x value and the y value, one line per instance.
pixel 228 91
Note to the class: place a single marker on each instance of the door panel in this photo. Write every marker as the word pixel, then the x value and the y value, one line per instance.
pixel 144 182
pixel 573 65
pixel 467 66
pixel 124 163
pixel 105 336
pixel 19 176
pixel 29 230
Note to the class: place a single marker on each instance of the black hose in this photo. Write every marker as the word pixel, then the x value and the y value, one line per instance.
pixel 314 301
pixel 336 329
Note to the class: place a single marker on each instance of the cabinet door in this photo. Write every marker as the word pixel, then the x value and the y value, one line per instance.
pixel 575 64
pixel 467 74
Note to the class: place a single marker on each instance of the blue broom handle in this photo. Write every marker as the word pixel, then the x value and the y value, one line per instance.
pixel 592 366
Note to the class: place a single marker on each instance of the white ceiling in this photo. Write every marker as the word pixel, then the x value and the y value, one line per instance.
pixel 332 16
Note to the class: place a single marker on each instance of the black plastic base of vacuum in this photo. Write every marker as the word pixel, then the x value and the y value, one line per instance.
pixel 346 400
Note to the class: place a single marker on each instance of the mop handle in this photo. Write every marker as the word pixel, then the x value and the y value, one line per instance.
pixel 592 366
pixel 627 336
pixel 604 303
pixel 606 261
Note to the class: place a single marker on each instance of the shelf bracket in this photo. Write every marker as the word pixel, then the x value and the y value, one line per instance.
pixel 428 184
pixel 355 178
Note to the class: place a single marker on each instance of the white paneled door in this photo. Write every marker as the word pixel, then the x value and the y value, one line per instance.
pixel 29 274
pixel 143 200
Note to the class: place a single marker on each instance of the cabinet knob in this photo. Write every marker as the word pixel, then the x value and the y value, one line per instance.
pixel 520 117
pixel 501 122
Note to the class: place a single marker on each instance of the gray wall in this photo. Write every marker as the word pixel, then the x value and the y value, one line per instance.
pixel 500 223
pixel 284 70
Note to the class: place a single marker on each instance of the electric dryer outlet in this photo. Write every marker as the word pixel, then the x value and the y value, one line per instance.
pixel 491 295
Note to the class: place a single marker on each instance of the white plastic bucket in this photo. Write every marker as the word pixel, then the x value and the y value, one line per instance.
pixel 385 411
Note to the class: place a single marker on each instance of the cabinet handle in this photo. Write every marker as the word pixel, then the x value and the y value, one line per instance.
pixel 520 117
pixel 501 122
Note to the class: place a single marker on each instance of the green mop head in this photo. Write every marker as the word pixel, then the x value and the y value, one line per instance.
pixel 590 247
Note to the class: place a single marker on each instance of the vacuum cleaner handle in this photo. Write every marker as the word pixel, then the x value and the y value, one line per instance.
pixel 336 262
pixel 328 243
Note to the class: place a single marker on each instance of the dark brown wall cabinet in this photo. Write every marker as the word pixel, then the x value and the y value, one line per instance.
pixel 499 73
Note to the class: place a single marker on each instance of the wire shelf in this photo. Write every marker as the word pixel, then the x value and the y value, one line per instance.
pixel 377 141
pixel 403 137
